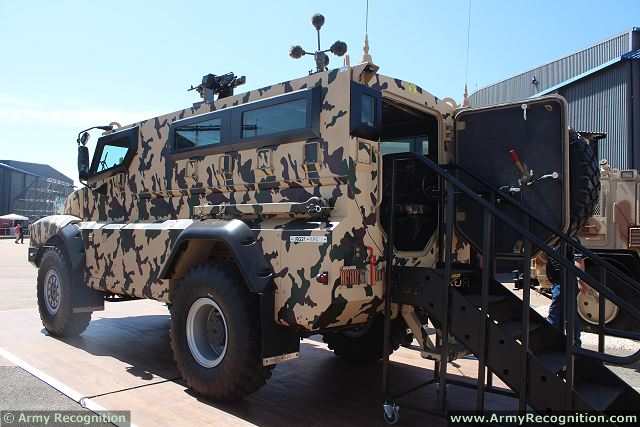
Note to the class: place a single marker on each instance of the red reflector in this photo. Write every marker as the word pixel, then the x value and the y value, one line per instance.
pixel 323 278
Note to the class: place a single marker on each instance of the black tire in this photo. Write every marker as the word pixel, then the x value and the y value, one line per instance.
pixel 58 318
pixel 623 320
pixel 584 169
pixel 240 371
pixel 365 345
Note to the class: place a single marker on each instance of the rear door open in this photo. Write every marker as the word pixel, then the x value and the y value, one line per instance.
pixel 520 148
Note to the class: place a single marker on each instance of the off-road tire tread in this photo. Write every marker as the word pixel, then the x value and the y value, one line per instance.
pixel 242 372
pixel 66 323
pixel 584 170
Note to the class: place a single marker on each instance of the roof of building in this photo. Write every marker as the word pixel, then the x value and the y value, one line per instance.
pixel 578 60
pixel 634 55
pixel 6 166
pixel 36 169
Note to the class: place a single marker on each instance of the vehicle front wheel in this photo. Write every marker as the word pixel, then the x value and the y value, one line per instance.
pixel 55 293
pixel 215 334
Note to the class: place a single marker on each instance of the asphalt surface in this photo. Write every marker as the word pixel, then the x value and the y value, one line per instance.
pixel 18 388
pixel 124 362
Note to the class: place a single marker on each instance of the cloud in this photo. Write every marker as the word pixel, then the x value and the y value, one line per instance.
pixel 16 111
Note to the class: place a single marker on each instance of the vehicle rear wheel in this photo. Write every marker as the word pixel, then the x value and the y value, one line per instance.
pixel 364 344
pixel 55 293
pixel 215 334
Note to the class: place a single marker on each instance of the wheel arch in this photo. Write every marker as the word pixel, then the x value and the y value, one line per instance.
pixel 65 235
pixel 227 240
pixel 233 240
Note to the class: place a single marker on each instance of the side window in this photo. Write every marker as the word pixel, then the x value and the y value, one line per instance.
pixel 198 134
pixel 111 157
pixel 366 112
pixel 274 119
pixel 266 122
pixel 392 147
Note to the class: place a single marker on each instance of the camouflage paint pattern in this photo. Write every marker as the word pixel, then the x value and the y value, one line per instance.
pixel 309 218
pixel 44 229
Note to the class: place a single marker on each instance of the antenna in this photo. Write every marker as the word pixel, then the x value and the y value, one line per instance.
pixel 465 100
pixel 338 48
pixel 365 49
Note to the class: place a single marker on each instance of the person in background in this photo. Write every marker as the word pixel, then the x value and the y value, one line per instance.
pixel 556 309
pixel 19 234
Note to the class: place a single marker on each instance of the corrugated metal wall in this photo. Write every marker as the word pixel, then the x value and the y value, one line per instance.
pixel 600 103
pixel 549 75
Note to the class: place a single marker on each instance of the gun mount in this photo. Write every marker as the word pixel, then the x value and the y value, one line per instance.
pixel 221 85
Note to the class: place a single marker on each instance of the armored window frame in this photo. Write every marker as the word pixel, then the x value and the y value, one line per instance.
pixel 195 128
pixel 127 138
pixel 225 118
pixel 311 128
pixel 357 126
pixel 231 128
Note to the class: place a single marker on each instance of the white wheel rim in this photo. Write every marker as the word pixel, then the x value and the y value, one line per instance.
pixel 52 291
pixel 589 310
pixel 207 332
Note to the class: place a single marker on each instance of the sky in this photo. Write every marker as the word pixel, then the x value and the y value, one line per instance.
pixel 69 65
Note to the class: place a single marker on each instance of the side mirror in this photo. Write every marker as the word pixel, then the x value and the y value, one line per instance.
pixel 83 162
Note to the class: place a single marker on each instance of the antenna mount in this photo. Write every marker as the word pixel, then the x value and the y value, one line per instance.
pixel 338 48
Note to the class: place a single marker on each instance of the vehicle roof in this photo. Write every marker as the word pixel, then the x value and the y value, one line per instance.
pixel 378 81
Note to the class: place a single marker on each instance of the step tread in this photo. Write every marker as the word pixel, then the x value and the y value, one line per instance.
pixel 513 328
pixel 598 396
pixel 554 361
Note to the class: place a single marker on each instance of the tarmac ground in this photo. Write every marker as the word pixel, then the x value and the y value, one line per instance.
pixel 123 362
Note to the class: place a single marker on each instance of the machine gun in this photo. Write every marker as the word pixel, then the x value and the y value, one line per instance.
pixel 222 86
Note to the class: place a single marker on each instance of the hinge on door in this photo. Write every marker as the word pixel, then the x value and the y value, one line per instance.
pixel 226 165
pixel 192 169
pixel 122 182
pixel 265 159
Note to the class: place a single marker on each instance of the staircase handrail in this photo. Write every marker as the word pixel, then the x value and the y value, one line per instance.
pixel 551 252
pixel 574 243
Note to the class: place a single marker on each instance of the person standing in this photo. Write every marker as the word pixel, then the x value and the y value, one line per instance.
pixel 19 233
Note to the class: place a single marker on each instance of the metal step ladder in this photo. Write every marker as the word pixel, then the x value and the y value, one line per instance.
pixel 541 364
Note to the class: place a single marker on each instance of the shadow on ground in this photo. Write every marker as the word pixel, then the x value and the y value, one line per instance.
pixel 318 389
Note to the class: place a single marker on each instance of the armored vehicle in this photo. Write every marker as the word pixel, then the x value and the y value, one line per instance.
pixel 344 203
pixel 614 232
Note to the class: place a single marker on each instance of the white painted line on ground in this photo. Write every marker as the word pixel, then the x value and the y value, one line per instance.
pixel 58 385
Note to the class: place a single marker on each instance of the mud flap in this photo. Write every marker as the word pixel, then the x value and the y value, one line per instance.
pixel 84 299
pixel 279 343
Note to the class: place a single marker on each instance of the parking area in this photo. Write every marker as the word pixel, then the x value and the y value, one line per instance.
pixel 124 362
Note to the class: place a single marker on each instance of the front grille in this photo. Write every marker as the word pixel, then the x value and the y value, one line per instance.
pixel 634 237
